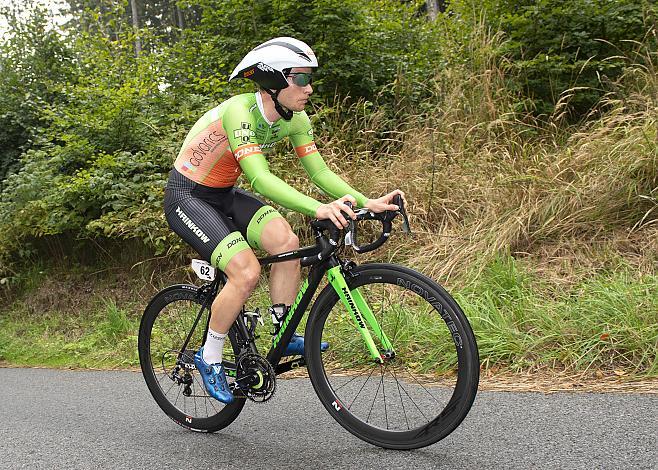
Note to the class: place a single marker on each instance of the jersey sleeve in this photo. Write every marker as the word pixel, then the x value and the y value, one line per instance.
pixel 301 136
pixel 239 124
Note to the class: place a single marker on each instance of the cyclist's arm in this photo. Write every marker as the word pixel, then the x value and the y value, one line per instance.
pixel 301 136
pixel 254 165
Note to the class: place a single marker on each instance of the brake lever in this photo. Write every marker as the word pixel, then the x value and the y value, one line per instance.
pixel 398 201
pixel 351 227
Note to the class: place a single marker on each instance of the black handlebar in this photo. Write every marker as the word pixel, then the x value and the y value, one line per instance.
pixel 328 245
pixel 398 201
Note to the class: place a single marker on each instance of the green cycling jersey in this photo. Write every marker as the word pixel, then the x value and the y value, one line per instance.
pixel 232 138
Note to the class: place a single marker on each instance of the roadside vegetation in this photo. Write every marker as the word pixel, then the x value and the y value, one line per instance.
pixel 530 165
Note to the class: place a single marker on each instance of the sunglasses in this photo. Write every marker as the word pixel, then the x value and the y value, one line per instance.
pixel 301 78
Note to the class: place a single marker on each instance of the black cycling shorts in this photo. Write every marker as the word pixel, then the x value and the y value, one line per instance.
pixel 216 222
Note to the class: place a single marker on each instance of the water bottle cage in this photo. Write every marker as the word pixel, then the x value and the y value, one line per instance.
pixel 278 314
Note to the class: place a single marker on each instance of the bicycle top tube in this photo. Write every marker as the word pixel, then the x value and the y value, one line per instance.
pixel 324 246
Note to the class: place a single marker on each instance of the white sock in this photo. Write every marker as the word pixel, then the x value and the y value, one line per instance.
pixel 212 349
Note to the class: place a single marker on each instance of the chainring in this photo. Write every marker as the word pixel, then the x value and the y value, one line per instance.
pixel 256 378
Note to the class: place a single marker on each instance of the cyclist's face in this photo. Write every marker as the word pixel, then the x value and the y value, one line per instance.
pixel 295 97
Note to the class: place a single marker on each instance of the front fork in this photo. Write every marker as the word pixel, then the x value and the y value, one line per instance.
pixel 361 314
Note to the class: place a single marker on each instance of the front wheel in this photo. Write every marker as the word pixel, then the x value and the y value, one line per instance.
pixel 169 371
pixel 429 377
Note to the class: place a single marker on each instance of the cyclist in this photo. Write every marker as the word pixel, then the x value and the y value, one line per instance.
pixel 223 222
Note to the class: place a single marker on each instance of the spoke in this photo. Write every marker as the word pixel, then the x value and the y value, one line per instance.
pixel 412 401
pixel 206 405
pixel 375 399
pixel 349 381
pixel 384 393
pixel 208 397
pixel 162 376
pixel 177 396
pixel 359 392
pixel 401 401
pixel 173 383
pixel 423 387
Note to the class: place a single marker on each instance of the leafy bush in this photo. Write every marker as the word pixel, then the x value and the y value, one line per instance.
pixel 558 46
pixel 32 61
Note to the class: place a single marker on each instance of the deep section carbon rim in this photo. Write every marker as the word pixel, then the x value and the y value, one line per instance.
pixel 426 386
pixel 170 372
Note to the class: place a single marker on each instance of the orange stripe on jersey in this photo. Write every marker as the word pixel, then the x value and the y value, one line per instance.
pixel 245 150
pixel 307 149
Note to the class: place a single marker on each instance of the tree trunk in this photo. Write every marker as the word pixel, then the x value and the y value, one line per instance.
pixel 135 15
pixel 434 7
pixel 180 17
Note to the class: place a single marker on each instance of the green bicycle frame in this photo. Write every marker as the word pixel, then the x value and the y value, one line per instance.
pixel 359 311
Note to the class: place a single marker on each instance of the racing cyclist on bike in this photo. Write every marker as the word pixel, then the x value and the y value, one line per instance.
pixel 222 222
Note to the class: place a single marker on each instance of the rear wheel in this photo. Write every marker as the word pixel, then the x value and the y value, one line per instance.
pixel 424 389
pixel 170 373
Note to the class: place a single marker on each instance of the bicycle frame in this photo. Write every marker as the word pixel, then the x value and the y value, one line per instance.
pixel 353 301
pixel 355 304
pixel 321 258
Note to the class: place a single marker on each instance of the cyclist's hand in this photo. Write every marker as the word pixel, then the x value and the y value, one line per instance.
pixel 384 203
pixel 332 211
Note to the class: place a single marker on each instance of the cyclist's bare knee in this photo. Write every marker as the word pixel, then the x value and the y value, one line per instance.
pixel 278 237
pixel 243 271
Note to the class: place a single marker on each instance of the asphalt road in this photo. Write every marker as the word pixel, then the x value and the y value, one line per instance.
pixel 73 419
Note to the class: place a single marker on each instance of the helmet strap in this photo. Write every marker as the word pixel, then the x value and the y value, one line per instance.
pixel 283 112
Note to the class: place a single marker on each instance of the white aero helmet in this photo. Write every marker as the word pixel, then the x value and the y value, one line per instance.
pixel 268 64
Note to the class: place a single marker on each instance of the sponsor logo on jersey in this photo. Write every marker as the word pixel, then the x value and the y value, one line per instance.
pixel 246 150
pixel 191 225
pixel 187 166
pixel 209 144
pixel 244 134
pixel 307 149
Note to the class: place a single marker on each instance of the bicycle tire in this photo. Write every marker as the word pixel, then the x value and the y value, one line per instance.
pixel 407 305
pixel 166 321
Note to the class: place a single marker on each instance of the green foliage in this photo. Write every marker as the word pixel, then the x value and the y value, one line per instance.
pixel 607 322
pixel 360 45
pixel 557 46
pixel 32 61
pixel 90 128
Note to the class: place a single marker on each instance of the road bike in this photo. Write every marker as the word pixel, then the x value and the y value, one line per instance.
pixel 401 370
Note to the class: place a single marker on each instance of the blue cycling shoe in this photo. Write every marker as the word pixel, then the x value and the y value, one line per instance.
pixel 214 378
pixel 296 346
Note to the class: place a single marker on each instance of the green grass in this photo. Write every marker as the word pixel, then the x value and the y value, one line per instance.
pixel 608 322
pixel 105 338
pixel 523 322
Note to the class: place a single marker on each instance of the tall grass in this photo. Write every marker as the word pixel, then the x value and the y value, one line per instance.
pixel 522 323
pixel 483 177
